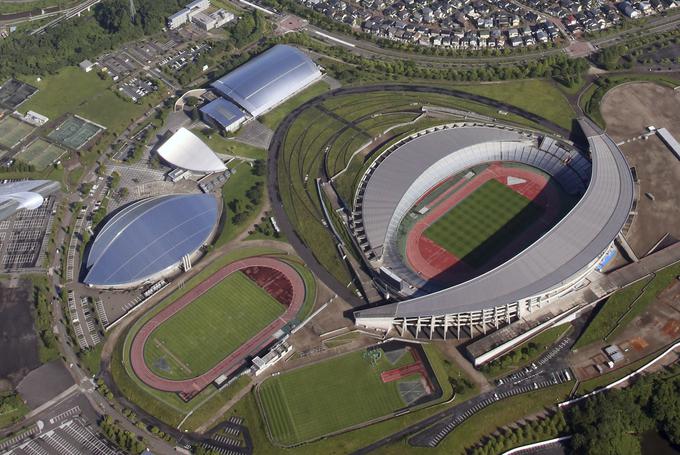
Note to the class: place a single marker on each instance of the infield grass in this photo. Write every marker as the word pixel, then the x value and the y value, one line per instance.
pixel 315 400
pixel 210 328
pixel 483 222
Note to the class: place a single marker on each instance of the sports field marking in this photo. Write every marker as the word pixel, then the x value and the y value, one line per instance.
pixel 169 353
pixel 211 327
pixel 74 132
pixel 482 222
pixel 41 154
pixel 318 399
pixel 12 131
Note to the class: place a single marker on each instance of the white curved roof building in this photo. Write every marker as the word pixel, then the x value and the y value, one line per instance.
pixel 549 268
pixel 186 151
pixel 268 79
pixel 26 194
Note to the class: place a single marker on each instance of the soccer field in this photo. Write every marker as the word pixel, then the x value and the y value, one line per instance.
pixel 482 223
pixel 329 396
pixel 12 131
pixel 210 328
pixel 40 154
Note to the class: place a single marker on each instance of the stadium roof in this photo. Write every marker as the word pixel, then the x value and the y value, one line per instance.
pixel 185 150
pixel 572 244
pixel 268 79
pixel 224 112
pixel 25 194
pixel 149 237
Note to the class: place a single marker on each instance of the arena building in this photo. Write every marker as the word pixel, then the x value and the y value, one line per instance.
pixel 150 239
pixel 555 262
pixel 268 80
pixel 25 194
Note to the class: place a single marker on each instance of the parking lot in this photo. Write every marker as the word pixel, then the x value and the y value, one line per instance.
pixel 136 89
pixel 23 238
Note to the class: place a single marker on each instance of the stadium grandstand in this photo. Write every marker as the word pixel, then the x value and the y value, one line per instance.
pixel 186 151
pixel 151 239
pixel 24 195
pixel 553 265
pixel 268 80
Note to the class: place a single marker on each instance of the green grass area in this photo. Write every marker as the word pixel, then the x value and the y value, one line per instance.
pixel 12 131
pixel 168 407
pixel 482 222
pixel 537 96
pixel 12 409
pixel 236 188
pixel 315 400
pixel 75 91
pixel 40 154
pixel 211 327
pixel 230 146
pixel 620 309
pixel 274 117
pixel 91 359
pixel 355 439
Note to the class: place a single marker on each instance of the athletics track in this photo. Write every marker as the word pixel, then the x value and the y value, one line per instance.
pixel 431 261
pixel 189 387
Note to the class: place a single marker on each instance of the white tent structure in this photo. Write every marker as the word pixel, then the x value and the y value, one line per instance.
pixel 186 151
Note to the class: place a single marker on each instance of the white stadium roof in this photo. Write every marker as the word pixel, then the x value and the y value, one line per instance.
pixel 268 79
pixel 573 243
pixel 185 150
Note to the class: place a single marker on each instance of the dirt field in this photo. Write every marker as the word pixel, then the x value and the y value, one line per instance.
pixel 19 353
pixel 627 110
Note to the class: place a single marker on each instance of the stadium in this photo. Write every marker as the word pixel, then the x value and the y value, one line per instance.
pixel 471 226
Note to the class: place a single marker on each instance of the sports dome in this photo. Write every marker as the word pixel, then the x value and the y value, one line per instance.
pixel 150 238
pixel 186 151
pixel 268 79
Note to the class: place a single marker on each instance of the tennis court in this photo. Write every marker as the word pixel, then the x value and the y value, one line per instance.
pixel 40 154
pixel 74 132
pixel 12 131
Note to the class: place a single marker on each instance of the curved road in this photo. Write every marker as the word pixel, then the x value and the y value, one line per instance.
pixel 276 145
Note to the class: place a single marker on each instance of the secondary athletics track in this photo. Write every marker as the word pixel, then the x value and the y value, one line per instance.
pixel 430 260
pixel 189 387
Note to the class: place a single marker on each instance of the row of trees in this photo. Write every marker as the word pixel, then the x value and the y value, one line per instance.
pixel 624 56
pixel 513 358
pixel 357 68
pixel 609 423
pixel 122 438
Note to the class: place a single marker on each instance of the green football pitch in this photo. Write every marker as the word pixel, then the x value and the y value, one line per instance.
pixel 329 396
pixel 210 328
pixel 12 131
pixel 482 223
pixel 40 154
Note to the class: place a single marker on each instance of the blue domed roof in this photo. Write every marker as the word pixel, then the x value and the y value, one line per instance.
pixel 148 237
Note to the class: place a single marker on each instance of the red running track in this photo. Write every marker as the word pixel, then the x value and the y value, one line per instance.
pixel 190 387
pixel 428 258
